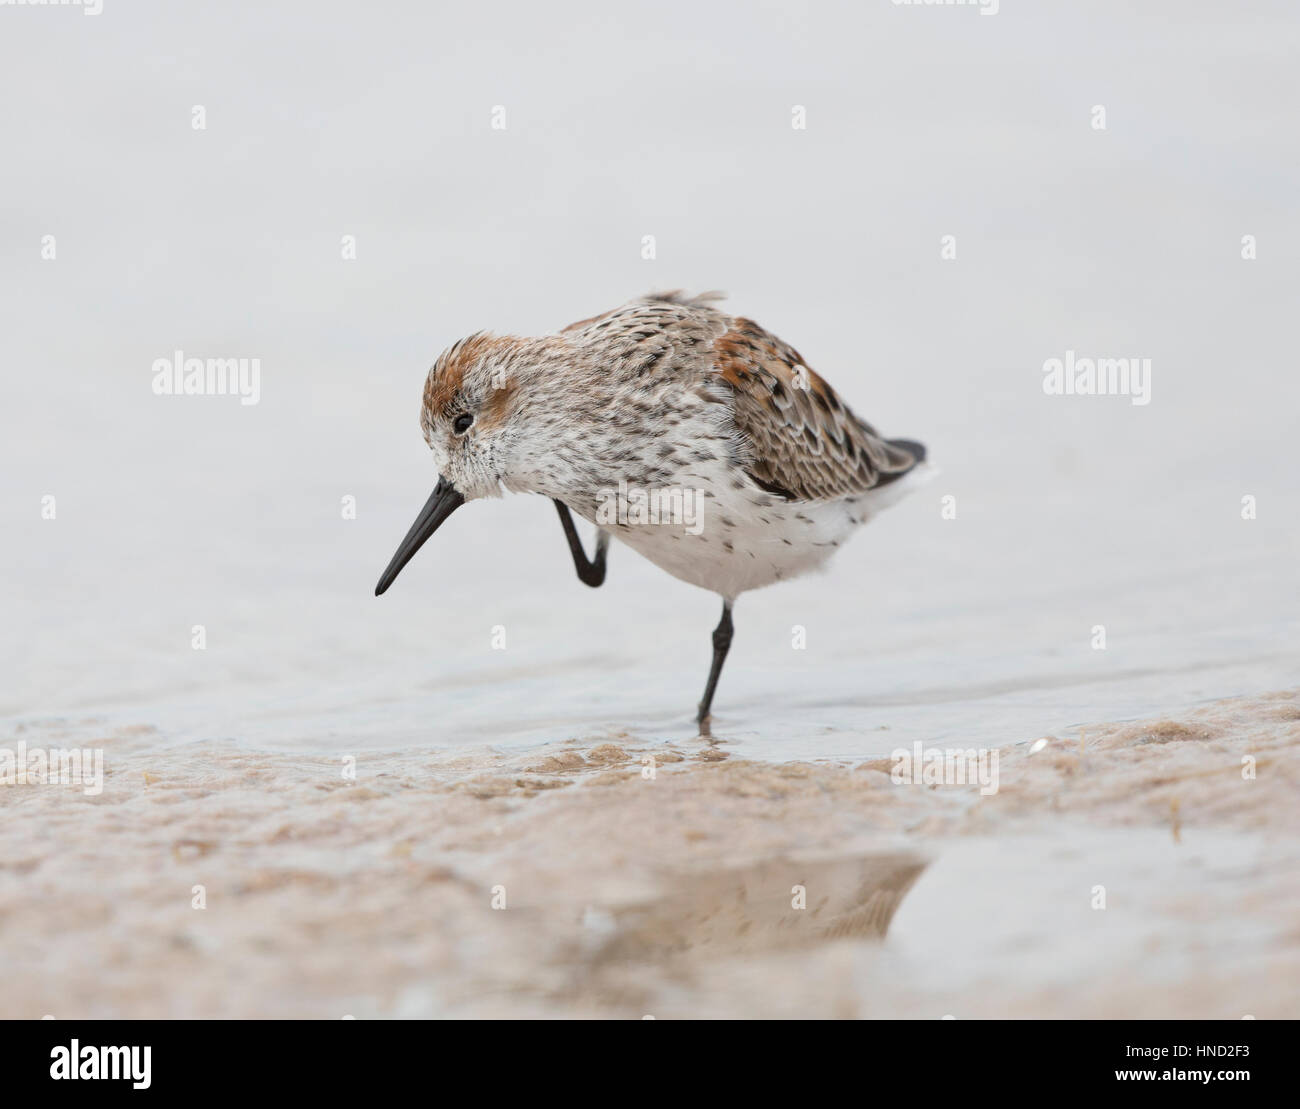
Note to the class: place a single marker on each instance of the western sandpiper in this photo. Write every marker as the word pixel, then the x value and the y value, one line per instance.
pixel 697 438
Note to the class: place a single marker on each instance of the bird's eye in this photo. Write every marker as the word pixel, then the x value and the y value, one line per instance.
pixel 461 423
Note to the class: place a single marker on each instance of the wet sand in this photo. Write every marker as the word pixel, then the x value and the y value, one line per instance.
pixel 612 876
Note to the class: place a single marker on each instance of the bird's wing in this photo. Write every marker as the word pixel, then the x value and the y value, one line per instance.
pixel 804 444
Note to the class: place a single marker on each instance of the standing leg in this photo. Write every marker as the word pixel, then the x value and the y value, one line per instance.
pixel 721 644
pixel 590 572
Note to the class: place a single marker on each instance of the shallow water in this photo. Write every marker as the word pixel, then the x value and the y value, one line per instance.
pixel 1072 512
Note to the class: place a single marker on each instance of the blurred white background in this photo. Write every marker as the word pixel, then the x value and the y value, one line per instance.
pixel 673 120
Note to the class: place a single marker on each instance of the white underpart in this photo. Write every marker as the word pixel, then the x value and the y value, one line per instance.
pixel 743 546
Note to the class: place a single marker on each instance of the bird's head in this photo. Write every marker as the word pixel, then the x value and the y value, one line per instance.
pixel 468 409
pixel 470 416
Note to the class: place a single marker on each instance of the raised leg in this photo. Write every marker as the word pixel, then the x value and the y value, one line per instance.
pixel 721 644
pixel 590 572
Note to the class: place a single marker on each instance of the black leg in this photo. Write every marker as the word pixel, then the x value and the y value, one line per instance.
pixel 721 644
pixel 591 572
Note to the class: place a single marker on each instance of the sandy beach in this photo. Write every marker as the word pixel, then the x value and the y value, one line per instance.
pixel 614 876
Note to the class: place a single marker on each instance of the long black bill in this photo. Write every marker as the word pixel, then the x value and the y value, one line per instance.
pixel 443 503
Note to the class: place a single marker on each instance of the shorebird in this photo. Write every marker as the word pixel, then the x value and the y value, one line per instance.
pixel 664 400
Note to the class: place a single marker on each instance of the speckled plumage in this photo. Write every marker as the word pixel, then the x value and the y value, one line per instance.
pixel 667 393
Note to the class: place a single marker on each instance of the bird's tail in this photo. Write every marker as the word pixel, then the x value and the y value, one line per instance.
pixel 911 446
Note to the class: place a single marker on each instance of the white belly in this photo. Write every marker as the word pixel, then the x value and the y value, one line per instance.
pixel 738 539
